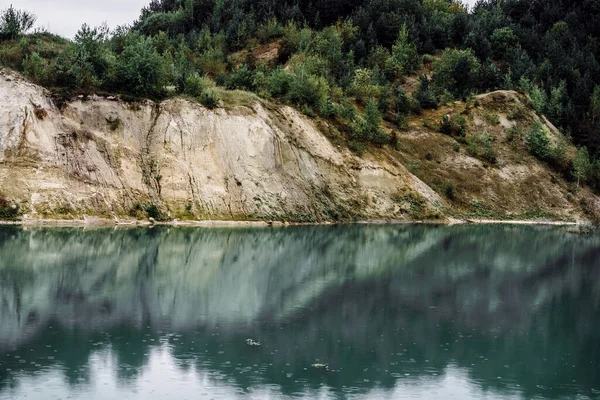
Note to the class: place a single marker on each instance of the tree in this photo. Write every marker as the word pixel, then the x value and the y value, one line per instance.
pixel 456 71
pixel 405 58
pixel 14 23
pixel 140 69
pixel 503 40
pixel 582 166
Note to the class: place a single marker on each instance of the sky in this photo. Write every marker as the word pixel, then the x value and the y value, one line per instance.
pixel 65 17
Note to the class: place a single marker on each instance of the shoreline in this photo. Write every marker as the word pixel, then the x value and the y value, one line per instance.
pixel 97 222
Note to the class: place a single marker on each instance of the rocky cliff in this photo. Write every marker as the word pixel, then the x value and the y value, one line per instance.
pixel 107 158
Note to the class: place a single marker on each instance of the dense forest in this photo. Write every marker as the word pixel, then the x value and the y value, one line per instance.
pixel 342 60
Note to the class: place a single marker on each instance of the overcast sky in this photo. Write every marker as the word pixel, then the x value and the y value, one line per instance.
pixel 66 16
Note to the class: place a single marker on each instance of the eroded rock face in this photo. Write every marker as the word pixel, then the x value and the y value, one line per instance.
pixel 107 157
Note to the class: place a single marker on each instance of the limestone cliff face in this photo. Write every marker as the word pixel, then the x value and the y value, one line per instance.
pixel 107 157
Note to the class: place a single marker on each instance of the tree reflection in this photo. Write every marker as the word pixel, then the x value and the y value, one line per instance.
pixel 509 305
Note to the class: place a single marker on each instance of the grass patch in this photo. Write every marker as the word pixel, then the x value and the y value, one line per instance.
pixel 492 119
pixel 481 146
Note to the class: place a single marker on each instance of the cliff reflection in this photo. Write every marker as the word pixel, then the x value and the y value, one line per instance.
pixel 377 303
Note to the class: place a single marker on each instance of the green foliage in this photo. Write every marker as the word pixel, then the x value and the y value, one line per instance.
pixel 449 190
pixel 503 41
pixel 140 69
pixel 492 119
pixel 362 85
pixel 14 23
pixel 241 78
pixel 537 142
pixel 582 166
pixel 329 52
pixel 454 126
pixel 537 97
pixel 481 146
pixel 367 128
pixel 304 88
pixel 517 113
pixel 196 85
pixel 514 134
pixel 404 59
pixel 424 94
pixel 210 98
pixel 36 67
pixel 456 71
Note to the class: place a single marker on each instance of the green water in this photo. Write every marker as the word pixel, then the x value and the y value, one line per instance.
pixel 396 312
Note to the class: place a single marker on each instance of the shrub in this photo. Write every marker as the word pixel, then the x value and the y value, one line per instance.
pixel 514 134
pixel 518 113
pixel 538 142
pixel 271 29
pixel 402 102
pixel 114 123
pixel 35 67
pixel 367 127
pixel 537 97
pixel 195 85
pixel 424 95
pixel 454 126
pixel 481 146
pixel 8 210
pixel 582 166
pixel 241 78
pixel 362 85
pixel 449 190
pixel 358 148
pixel 210 98
pixel 492 119
pixel 306 89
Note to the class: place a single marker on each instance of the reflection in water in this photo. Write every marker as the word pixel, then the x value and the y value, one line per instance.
pixel 395 311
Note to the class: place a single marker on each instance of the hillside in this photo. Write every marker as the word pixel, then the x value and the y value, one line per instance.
pixel 250 159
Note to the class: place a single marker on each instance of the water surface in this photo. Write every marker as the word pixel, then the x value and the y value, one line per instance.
pixel 396 312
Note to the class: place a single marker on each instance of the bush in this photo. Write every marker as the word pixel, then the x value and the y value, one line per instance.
pixel 308 90
pixel 241 78
pixel 538 142
pixel 492 119
pixel 210 98
pixel 367 127
pixel 514 134
pixel 36 68
pixel 449 190
pixel 424 95
pixel 8 210
pixel 454 126
pixel 195 85
pixel 518 113
pixel 362 86
pixel 582 166
pixel 481 146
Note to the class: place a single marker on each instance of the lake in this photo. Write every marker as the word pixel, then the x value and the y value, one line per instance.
pixel 340 312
